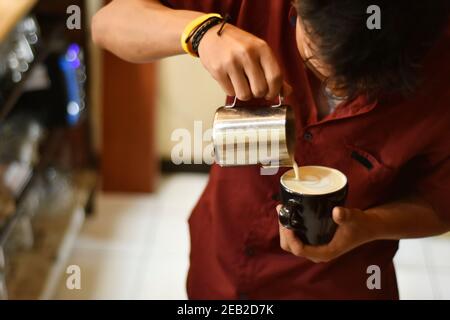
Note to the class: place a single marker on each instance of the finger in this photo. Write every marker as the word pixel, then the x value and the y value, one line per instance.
pixel 272 73
pixel 317 254
pixel 295 245
pixel 341 215
pixel 286 90
pixel 256 78
pixel 278 208
pixel 240 83
pixel 283 242
pixel 225 83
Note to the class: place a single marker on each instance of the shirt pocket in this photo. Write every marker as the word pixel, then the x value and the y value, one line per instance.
pixel 370 180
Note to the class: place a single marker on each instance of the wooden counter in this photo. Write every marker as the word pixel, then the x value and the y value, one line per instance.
pixel 11 11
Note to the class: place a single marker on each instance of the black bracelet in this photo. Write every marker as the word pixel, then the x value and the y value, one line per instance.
pixel 224 22
pixel 201 31
pixel 191 35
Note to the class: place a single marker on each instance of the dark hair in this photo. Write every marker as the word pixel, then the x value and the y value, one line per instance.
pixel 379 60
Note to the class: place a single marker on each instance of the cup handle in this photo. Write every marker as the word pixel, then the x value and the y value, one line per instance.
pixel 280 102
pixel 290 215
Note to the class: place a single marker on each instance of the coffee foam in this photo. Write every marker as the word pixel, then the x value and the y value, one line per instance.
pixel 314 180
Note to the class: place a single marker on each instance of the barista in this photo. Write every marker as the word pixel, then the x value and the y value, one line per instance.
pixel 370 103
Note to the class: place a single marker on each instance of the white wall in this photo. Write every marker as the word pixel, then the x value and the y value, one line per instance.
pixel 187 93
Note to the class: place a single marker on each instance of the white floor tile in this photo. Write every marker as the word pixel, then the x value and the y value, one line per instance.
pixel 410 253
pixel 104 275
pixel 443 282
pixel 439 251
pixel 164 278
pixel 414 283
pixel 182 191
pixel 137 246
pixel 113 228
pixel 165 259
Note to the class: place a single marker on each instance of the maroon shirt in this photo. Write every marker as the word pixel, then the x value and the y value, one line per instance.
pixel 386 148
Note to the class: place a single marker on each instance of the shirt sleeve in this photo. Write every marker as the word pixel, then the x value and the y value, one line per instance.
pixel 208 6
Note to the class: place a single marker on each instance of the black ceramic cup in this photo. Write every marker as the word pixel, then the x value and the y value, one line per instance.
pixel 308 210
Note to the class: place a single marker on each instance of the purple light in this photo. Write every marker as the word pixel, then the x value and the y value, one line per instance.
pixel 75 64
pixel 72 55
pixel 74 47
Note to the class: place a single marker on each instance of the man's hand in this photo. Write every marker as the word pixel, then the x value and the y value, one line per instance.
pixel 353 230
pixel 242 64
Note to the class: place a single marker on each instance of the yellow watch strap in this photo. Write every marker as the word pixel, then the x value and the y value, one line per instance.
pixel 191 27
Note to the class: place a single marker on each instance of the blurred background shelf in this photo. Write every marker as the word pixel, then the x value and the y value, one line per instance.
pixel 36 273
pixel 48 168
pixel 44 49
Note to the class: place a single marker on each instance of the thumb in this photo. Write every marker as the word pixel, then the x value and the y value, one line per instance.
pixel 279 208
pixel 342 215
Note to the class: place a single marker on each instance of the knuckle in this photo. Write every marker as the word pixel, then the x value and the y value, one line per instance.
pixel 243 96
pixel 227 90
pixel 216 70
pixel 243 49
pixel 260 44
pixel 275 78
pixel 256 48
pixel 231 60
pixel 259 93
pixel 243 93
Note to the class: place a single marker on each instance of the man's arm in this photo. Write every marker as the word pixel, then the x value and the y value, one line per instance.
pixel 145 30
pixel 140 30
pixel 411 217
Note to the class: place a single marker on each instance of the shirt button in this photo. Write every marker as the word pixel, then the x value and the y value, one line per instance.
pixel 249 251
pixel 307 136
pixel 242 296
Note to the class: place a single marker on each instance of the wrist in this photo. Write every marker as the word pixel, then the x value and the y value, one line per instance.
pixel 202 31
pixel 375 228
pixel 197 28
pixel 209 35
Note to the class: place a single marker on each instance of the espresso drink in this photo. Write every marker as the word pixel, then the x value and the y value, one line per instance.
pixel 313 180
pixel 296 171
pixel 308 201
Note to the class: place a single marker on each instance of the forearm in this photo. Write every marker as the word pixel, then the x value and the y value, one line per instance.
pixel 140 30
pixel 411 217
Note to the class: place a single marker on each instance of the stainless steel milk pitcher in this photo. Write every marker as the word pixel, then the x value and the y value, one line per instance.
pixel 248 136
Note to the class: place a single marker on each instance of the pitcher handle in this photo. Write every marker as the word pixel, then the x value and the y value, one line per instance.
pixel 280 101
pixel 232 105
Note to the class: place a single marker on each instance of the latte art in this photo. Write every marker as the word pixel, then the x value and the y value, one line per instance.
pixel 314 180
